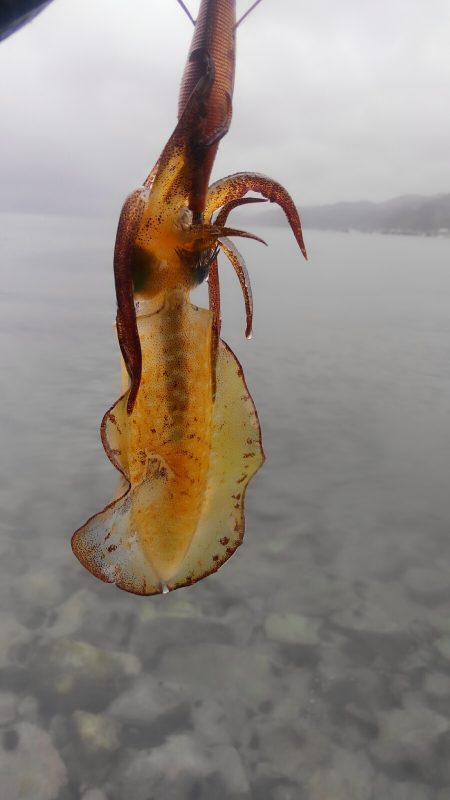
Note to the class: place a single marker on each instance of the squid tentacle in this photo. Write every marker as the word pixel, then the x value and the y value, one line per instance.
pixel 236 186
pixel 237 261
pixel 214 281
pixel 222 216
pixel 216 320
pixel 204 236
pixel 127 330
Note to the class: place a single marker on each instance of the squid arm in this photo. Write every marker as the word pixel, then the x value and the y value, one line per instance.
pixel 236 186
pixel 184 435
pixel 214 283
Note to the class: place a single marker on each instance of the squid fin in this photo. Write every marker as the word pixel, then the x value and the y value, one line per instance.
pixel 108 546
pixel 236 455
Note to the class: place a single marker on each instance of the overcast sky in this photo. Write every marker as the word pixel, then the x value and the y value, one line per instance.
pixel 338 101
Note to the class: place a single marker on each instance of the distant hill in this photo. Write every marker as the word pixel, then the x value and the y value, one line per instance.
pixel 410 214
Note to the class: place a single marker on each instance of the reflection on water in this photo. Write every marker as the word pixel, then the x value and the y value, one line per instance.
pixel 315 664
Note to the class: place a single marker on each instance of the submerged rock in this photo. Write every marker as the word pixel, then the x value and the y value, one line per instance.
pixel 147 701
pixel 8 707
pixel 210 722
pixel 278 751
pixel 292 628
pixel 409 734
pixel 443 645
pixel 94 794
pixel 274 751
pixel 39 588
pixel 149 711
pixel 401 790
pixel 13 636
pixel 149 637
pixel 29 709
pixel 437 684
pixel 428 585
pixel 111 622
pixel 96 732
pixel 81 675
pixel 30 767
pixel 245 674
pixel 349 778
pixel 288 792
pixel 368 617
pixel 71 614
pixel 180 768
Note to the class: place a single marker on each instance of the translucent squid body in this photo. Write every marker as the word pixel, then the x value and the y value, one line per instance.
pixel 184 434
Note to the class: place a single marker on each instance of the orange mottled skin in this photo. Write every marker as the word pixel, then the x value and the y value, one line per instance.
pixel 171 421
pixel 185 434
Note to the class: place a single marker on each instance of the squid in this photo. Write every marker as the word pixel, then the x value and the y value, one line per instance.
pixel 184 435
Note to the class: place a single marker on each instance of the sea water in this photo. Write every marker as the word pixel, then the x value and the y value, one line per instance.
pixel 315 663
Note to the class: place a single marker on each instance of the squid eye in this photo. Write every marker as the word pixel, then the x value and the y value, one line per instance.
pixel 184 219
pixel 199 262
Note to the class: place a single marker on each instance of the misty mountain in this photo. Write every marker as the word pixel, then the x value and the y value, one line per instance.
pixel 409 214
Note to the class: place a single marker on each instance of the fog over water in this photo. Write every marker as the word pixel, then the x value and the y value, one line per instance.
pixel 337 102
pixel 315 664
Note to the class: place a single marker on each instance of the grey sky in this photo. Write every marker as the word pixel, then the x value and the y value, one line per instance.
pixel 338 101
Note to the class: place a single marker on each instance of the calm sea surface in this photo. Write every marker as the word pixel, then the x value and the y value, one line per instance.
pixel 316 664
